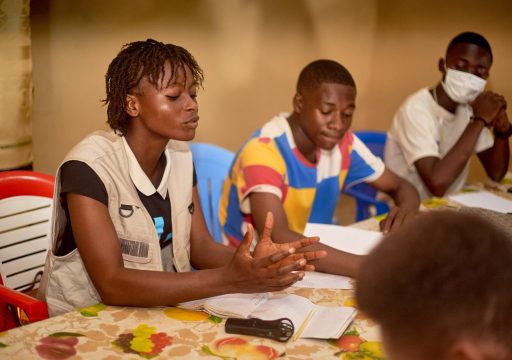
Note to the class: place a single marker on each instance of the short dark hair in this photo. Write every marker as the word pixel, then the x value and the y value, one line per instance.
pixel 324 71
pixel 137 60
pixel 442 277
pixel 469 37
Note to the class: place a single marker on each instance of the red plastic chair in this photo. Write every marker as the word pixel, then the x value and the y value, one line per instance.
pixel 21 182
pixel 17 308
pixel 25 210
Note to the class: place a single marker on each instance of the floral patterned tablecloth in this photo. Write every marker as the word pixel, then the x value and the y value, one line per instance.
pixel 109 332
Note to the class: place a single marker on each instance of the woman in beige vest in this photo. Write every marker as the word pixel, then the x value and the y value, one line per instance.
pixel 128 226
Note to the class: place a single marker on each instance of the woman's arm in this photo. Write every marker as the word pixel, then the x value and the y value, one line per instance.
pixel 99 248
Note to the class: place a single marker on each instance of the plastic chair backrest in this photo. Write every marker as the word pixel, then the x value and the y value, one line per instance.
pixel 22 182
pixel 25 213
pixel 212 164
pixel 364 193
pixel 374 140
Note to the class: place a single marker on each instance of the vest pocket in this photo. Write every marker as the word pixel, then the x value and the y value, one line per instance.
pixel 136 251
pixel 135 232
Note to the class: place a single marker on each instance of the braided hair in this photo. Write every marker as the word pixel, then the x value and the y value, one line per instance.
pixel 135 61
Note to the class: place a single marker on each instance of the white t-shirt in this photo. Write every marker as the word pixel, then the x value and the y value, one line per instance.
pixel 421 128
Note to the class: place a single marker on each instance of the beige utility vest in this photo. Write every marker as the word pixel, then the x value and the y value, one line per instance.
pixel 66 284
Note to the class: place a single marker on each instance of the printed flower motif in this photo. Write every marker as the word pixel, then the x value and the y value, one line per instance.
pixel 58 346
pixel 190 315
pixel 143 341
pixel 143 331
pixel 160 340
pixel 353 347
pixel 92 311
pixel 141 345
pixel 349 343
pixel 238 348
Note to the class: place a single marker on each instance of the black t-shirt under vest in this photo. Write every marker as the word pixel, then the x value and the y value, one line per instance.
pixel 78 178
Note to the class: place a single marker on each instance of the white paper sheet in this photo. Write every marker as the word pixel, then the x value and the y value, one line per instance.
pixel 483 199
pixel 318 280
pixel 355 241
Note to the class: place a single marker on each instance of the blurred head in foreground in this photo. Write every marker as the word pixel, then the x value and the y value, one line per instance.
pixel 441 288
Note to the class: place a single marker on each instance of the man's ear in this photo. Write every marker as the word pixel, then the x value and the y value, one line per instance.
pixel 298 102
pixel 441 65
pixel 132 105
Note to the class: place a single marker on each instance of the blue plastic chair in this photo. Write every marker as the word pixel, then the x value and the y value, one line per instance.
pixel 212 164
pixel 364 194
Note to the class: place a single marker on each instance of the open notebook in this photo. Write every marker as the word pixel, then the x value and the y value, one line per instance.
pixel 310 320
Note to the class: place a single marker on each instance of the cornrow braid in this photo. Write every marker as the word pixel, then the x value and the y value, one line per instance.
pixel 137 60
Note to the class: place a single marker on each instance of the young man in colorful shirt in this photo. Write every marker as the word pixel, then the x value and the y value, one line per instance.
pixel 296 165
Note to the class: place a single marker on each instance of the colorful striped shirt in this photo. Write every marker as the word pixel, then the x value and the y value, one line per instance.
pixel 270 162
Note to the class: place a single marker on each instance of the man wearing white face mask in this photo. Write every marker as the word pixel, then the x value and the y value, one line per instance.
pixel 436 130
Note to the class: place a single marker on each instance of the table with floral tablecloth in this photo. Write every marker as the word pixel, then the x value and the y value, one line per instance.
pixel 109 332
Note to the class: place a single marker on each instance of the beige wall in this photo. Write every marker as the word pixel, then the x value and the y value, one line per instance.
pixel 251 52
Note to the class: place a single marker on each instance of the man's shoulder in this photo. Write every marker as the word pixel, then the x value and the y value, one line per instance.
pixel 260 150
pixel 275 127
pixel 418 99
pixel 265 137
pixel 260 146
pixel 417 108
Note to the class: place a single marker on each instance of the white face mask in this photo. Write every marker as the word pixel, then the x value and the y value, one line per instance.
pixel 462 87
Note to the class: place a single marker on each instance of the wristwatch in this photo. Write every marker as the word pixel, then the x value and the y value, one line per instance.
pixel 503 134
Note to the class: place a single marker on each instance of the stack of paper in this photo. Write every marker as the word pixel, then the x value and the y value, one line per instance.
pixel 345 238
pixel 310 320
pixel 484 200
